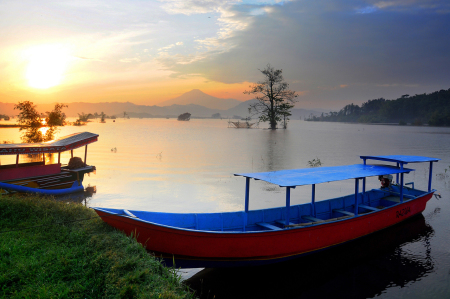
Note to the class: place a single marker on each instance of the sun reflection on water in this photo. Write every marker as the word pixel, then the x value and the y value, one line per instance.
pixel 43 130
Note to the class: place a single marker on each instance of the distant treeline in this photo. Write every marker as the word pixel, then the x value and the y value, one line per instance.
pixel 432 109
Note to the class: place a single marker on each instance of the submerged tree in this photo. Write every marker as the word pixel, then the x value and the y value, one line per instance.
pixel 184 116
pixel 31 122
pixel 275 100
pixel 84 117
pixel 315 162
pixel 55 118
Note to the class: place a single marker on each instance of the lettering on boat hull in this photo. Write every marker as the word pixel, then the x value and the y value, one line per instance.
pixel 403 212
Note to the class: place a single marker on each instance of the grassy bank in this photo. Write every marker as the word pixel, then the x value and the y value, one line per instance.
pixel 46 252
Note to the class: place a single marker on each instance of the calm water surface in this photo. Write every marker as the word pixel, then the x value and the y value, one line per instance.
pixel 172 166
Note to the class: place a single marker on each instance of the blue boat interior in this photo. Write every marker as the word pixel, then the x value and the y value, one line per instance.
pixel 302 215
pixel 306 214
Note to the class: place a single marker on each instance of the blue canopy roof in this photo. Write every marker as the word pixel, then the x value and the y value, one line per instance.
pixel 402 158
pixel 309 176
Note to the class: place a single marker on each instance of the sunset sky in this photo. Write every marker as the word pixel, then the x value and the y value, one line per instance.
pixel 332 52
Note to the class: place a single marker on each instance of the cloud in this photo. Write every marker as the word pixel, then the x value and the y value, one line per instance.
pixel 369 45
pixel 326 46
pixel 367 9
pixel 411 5
pixel 170 46
pixel 135 59
pixel 189 7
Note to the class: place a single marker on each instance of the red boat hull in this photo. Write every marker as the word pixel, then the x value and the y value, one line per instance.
pixel 261 246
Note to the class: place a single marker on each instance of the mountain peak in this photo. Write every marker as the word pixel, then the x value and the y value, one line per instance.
pixel 198 97
pixel 195 91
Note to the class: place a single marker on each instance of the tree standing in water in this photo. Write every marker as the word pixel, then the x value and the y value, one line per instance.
pixel 275 100
pixel 31 122
pixel 55 118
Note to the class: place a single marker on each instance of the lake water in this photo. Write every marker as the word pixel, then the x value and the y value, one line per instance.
pixel 172 166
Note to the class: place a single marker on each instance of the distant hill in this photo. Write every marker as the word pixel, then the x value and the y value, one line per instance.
pixel 432 109
pixel 118 109
pixel 144 111
pixel 198 97
pixel 7 109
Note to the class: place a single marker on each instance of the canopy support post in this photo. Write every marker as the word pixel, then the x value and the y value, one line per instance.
pixel 313 200
pixel 396 176
pixel 288 205
pixel 17 160
pixel 247 196
pixel 71 153
pixel 59 157
pixel 363 190
pixel 85 154
pixel 401 188
pixel 356 196
pixel 401 184
pixel 247 193
pixel 43 158
pixel 430 176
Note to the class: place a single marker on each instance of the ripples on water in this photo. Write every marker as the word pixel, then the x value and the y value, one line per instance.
pixel 167 165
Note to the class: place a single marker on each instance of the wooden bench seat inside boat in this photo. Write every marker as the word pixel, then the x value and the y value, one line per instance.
pixel 321 221
pixel 397 198
pixel 283 222
pixel 312 219
pixel 368 208
pixel 393 194
pixel 128 213
pixel 267 225
pixel 344 212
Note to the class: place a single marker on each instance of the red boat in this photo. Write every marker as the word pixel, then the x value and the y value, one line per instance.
pixel 252 237
pixel 42 178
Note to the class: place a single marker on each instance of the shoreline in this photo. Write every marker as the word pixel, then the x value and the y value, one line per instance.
pixel 11 126
pixel 58 248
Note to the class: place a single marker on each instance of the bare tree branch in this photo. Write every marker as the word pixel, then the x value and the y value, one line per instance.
pixel 275 100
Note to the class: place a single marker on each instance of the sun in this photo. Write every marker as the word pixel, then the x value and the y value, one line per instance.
pixel 47 65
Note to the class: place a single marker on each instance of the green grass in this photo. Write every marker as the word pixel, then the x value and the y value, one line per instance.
pixel 78 259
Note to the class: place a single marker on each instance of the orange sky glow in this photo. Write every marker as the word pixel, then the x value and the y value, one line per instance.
pixel 147 52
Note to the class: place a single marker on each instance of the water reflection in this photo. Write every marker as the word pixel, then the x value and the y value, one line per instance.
pixel 49 158
pixel 83 197
pixel 170 166
pixel 360 269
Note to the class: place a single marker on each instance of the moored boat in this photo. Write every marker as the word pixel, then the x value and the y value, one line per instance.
pixel 253 237
pixel 42 178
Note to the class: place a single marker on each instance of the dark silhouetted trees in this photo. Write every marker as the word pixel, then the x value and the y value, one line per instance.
pixel 31 122
pixel 433 108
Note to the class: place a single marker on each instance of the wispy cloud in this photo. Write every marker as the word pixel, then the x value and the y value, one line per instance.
pixel 411 5
pixel 134 59
pixel 385 42
pixel 367 9
pixel 369 45
pixel 190 7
